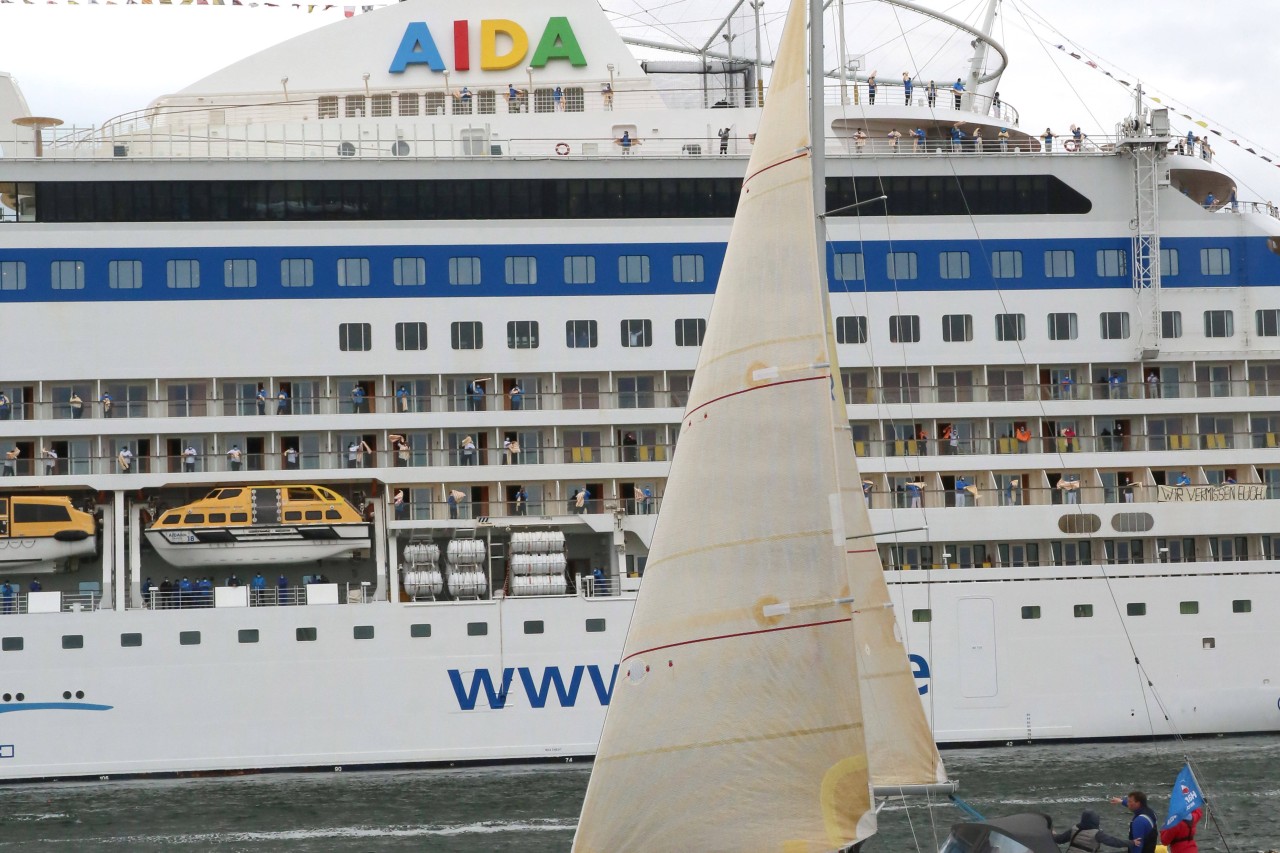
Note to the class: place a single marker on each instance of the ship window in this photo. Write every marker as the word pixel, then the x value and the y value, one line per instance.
pixel 217 518
pixel 407 103
pixel 194 518
pixel 293 515
pixel 67 275
pixel 314 514
pixel 637 333
pixel 13 275
pixel 380 106
pixel 327 107
pixel 1006 265
pixel 1170 324
pixel 355 337
pixel 468 335
pixel 522 334
pixel 362 632
pixel 851 330
pixel 189 638
pixel 1242 605
pixel 130 641
pixel 409 272
pixel 247 635
pixel 171 518
pixel 11 644
pixel 594 626
pixel 1132 522
pixel 1268 322
pixel 124 275
pixel 239 517
pixel 354 106
pixel 1079 523
pixel 420 630
pixel 1136 608
pixel 1168 262
pixel 300 493
pixel 1114 325
pixel 1188 608
pixel 953 264
pixel 957 328
pixel 519 270
pixel 1113 263
pixel 353 272
pixel 904 328
pixel 848 266
pixel 477 629
pixel 900 266
pixel 411 337
pixel 240 273
pixel 25 513
pixel 687 268
pixel 580 334
pixel 228 494
pixel 305 635
pixel 297 272
pixel 1011 327
pixel 1062 327
pixel 182 275
pixel 633 269
pixel 579 269
pixel 1215 261
pixel 1060 263
pixel 332 514
pixel 1031 611
pixel 689 332
pixel 921 615
pixel 534 626
pixel 1083 611
pixel 464 271
pixel 1219 324
pixel 73 641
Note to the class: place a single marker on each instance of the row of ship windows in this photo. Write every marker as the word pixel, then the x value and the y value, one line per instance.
pixel 545 100
pixel 1058 263
pixel 1112 326
pixel 521 334
pixel 419 630
pixel 1085 611
pixel 184 274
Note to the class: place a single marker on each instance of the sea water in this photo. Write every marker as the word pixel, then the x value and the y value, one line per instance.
pixel 535 808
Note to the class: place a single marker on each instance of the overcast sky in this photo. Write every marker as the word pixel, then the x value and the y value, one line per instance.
pixel 85 64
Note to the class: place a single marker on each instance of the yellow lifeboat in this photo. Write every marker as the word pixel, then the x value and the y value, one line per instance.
pixel 38 529
pixel 259 525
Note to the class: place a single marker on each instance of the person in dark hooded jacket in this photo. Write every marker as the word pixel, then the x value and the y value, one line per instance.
pixel 1087 835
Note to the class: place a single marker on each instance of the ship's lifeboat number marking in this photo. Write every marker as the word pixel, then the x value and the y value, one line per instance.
pixel 180 537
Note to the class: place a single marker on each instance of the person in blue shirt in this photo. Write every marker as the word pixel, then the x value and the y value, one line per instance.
pixel 517 397
pixel 917 137
pixel 6 408
pixel 282 402
pixel 357 399
pixel 957 89
pixel 1048 140
pixel 282 590
pixel 932 93
pixel 1143 834
pixel 402 399
pixel 37 587
pixel 557 97
pixel 1182 480
pixel 184 592
pixel 626 142
pixel 6 594
pixel 262 399
pixel 475 396
pixel 962 496
pixel 871 88
pixel 646 500
pixel 915 492
pixel 906 88
pixel 957 137
pixel 1209 201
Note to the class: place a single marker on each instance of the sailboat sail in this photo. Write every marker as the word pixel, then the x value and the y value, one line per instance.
pixel 737 721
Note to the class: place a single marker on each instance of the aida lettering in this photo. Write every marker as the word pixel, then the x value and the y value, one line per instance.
pixel 1209 494
pixel 503 45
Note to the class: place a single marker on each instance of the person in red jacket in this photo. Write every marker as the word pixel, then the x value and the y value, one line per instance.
pixel 1181 837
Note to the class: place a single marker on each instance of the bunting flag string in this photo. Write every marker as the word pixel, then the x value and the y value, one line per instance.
pixel 1204 125
pixel 309 8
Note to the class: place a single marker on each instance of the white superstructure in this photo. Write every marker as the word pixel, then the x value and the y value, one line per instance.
pixel 371 224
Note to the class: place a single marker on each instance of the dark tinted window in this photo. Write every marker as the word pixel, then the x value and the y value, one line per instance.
pixel 73 641
pixel 25 512
pixel 130 641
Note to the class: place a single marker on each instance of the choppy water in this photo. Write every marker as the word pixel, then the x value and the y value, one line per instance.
pixel 536 808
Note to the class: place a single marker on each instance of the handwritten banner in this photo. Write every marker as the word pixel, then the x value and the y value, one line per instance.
pixel 1206 494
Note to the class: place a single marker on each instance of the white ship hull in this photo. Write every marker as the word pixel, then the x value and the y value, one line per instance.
pixel 26 552
pixel 257 546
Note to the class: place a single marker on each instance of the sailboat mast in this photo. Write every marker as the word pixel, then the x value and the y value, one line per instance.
pixel 817 135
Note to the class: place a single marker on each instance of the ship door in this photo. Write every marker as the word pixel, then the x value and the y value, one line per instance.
pixel 371 458
pixel 266 506
pixel 254 447
pixel 63 449
pixel 627 494
pixel 173 453
pixel 482 447
pixel 479 501
pixel 370 396
pixel 597 497
pixel 142 456
pixel 976 624
pixel 27 457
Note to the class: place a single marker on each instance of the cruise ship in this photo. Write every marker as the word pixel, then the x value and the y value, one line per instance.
pixel 451 265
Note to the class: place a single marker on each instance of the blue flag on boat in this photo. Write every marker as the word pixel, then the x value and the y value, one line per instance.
pixel 1186 797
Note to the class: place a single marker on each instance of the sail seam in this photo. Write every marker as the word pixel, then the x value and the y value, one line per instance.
pixel 701 406
pixel 731 741
pixel 735 635
pixel 799 156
